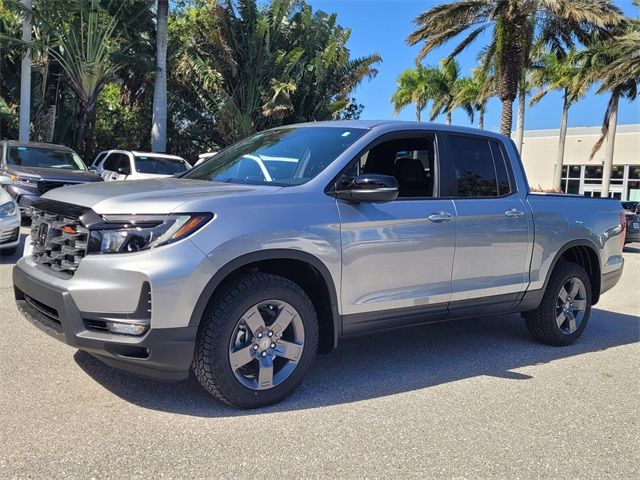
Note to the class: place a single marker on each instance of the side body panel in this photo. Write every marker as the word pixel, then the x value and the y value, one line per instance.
pixel 394 256
pixel 562 219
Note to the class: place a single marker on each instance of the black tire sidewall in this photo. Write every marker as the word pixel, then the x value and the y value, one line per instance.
pixel 566 272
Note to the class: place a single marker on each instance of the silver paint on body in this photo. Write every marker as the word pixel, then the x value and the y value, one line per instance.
pixel 380 257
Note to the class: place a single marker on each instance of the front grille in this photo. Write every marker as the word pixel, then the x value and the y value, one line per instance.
pixel 59 241
pixel 10 236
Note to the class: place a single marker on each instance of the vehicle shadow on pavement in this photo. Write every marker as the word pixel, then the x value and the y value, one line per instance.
pixel 387 363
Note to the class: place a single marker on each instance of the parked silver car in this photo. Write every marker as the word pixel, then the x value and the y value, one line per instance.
pixel 377 225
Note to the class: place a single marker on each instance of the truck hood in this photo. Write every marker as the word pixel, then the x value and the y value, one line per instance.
pixel 55 174
pixel 160 195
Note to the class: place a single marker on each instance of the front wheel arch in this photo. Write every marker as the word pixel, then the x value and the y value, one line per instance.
pixel 310 274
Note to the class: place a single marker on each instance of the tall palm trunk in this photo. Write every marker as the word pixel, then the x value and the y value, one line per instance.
pixel 506 117
pixel 418 112
pixel 557 171
pixel 611 139
pixel 522 99
pixel 449 118
pixel 159 128
pixel 481 118
pixel 25 79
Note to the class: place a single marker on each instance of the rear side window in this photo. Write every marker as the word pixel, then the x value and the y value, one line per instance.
pixel 504 184
pixel 475 169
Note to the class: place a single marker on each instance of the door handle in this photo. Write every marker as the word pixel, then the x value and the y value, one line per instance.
pixel 514 212
pixel 439 217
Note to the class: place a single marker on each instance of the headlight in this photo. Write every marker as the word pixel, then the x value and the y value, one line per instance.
pixel 127 234
pixel 8 209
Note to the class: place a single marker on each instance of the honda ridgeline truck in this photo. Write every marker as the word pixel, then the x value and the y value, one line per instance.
pixel 360 226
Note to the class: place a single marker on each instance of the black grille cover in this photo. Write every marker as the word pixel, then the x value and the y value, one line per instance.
pixel 59 240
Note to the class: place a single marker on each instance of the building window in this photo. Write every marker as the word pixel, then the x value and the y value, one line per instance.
pixel 571 179
pixel 633 183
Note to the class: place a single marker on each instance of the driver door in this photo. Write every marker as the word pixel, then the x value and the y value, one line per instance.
pixel 398 256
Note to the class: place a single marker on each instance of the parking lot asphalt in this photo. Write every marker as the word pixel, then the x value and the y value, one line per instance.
pixel 473 398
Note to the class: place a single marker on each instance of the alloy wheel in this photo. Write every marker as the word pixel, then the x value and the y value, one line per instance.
pixel 266 344
pixel 571 305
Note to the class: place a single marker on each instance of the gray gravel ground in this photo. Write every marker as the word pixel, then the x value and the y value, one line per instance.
pixel 475 398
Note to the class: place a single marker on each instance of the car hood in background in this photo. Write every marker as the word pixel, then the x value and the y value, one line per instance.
pixel 161 195
pixel 55 174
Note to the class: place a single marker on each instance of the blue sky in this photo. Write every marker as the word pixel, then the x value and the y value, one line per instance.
pixel 383 25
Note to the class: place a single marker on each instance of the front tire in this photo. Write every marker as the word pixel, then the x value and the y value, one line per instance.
pixel 257 341
pixel 564 311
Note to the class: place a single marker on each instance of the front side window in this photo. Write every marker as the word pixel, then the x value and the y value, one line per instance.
pixel 44 158
pixel 284 156
pixel 160 165
pixel 409 160
pixel 475 172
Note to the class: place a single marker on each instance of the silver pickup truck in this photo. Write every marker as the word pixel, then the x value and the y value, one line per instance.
pixel 360 226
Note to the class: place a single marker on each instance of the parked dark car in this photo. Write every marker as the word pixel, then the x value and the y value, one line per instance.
pixel 632 214
pixel 36 168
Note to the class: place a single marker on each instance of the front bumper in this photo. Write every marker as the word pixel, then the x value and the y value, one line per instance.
pixel 9 231
pixel 161 353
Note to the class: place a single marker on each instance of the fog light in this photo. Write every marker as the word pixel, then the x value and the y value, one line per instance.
pixel 127 328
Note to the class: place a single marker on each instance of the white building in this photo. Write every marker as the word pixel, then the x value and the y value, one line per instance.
pixel 579 174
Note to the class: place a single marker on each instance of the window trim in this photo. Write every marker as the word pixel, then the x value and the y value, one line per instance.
pixel 418 133
pixel 452 185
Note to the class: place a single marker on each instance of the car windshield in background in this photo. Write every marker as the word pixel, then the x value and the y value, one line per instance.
pixel 285 156
pixel 160 165
pixel 44 157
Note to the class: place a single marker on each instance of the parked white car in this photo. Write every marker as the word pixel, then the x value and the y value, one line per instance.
pixel 133 165
pixel 9 220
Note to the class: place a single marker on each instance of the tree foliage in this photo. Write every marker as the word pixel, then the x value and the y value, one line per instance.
pixel 234 67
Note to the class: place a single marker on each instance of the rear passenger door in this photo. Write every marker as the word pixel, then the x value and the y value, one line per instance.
pixel 494 227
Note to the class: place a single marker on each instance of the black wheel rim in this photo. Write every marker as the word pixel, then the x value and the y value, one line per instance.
pixel 266 345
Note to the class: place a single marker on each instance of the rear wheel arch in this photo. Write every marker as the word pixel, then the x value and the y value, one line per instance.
pixel 585 254
pixel 302 268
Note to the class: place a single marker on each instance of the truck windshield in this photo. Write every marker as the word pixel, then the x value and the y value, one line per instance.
pixel 44 157
pixel 285 156
pixel 160 165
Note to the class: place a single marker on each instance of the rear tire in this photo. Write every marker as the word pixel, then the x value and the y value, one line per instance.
pixel 564 311
pixel 257 329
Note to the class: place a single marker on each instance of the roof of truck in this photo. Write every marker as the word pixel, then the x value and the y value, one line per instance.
pixel 397 125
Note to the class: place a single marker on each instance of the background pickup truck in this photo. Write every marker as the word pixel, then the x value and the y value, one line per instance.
pixel 243 278
pixel 36 168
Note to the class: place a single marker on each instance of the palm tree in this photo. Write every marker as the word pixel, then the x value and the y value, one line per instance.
pixel 423 84
pixel 615 63
pixel 556 23
pixel 250 67
pixel 159 120
pixel 25 77
pixel 447 84
pixel 475 91
pixel 553 73
pixel 414 86
pixel 83 52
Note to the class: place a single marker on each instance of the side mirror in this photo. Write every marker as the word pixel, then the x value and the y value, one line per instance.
pixel 4 180
pixel 370 188
pixel 123 171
